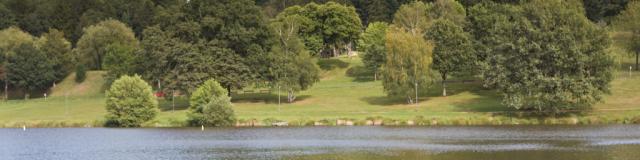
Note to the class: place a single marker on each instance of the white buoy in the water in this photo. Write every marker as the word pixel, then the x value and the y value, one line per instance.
pixel 203 127
pixel 24 128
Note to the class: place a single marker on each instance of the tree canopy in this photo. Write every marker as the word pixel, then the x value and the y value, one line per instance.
pixel 543 56
pixel 327 26
pixel 408 64
pixel 453 52
pixel 371 44
pixel 93 44
pixel 130 102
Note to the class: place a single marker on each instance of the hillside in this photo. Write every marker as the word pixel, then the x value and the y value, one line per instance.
pixel 345 91
pixel 92 86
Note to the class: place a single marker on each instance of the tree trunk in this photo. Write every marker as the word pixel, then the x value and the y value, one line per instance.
pixel 229 90
pixel 444 84
pixel 291 97
pixel 6 89
pixel 375 76
pixel 416 93
pixel 335 51
pixel 637 65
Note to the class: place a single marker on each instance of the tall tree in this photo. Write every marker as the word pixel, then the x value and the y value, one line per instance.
pixel 371 43
pixel 13 37
pixel 409 58
pixel 549 58
pixel 155 55
pixel 450 10
pixel 58 50
pixel 629 21
pixel 413 17
pixel 7 18
pixel 292 66
pixel 30 69
pixel 93 44
pixel 332 24
pixel 453 50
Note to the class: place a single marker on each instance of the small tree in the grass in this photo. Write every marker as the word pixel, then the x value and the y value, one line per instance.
pixel 629 21
pixel 452 53
pixel 408 64
pixel 371 44
pixel 30 69
pixel 130 102
pixel 210 106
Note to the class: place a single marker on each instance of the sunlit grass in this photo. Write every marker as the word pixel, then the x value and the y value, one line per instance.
pixel 338 95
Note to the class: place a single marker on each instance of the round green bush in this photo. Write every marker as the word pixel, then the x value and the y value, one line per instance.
pixel 210 106
pixel 130 102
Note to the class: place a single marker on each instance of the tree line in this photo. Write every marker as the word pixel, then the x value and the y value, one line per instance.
pixel 545 56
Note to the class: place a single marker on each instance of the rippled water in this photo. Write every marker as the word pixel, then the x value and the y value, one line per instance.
pixel 503 142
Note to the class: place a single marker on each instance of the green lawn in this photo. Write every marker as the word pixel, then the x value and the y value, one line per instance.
pixel 344 92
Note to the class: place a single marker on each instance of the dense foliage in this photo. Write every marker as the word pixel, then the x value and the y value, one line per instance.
pixel 330 26
pixel 407 69
pixel 453 52
pixel 371 45
pixel 547 56
pixel 210 106
pixel 130 102
pixel 542 56
pixel 93 45
pixel 292 67
pixel 30 69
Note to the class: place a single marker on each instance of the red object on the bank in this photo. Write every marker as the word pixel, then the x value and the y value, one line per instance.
pixel 159 94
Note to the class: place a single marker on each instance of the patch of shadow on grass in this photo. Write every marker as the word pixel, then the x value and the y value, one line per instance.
pixel 329 64
pixel 360 74
pixel 181 103
pixel 433 91
pixel 269 98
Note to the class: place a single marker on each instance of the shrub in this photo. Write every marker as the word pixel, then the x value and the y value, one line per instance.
pixel 130 102
pixel 81 73
pixel 210 106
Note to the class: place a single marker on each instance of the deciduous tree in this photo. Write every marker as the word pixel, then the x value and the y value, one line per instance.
pixel 30 69
pixel 453 51
pixel 58 50
pixel 371 44
pixel 547 57
pixel 93 44
pixel 408 64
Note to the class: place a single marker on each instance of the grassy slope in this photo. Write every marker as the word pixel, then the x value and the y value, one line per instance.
pixel 337 95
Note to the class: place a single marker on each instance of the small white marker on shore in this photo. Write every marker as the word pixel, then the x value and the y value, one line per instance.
pixel 202 127
pixel 24 127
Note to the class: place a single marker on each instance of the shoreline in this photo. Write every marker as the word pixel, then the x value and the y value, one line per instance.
pixel 377 121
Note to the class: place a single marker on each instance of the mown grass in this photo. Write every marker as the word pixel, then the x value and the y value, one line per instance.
pixel 345 92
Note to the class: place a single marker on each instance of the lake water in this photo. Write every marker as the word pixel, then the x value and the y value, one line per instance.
pixel 443 143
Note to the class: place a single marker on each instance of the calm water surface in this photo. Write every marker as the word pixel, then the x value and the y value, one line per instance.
pixel 503 142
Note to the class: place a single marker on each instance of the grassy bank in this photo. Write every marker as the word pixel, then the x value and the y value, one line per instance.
pixel 346 95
